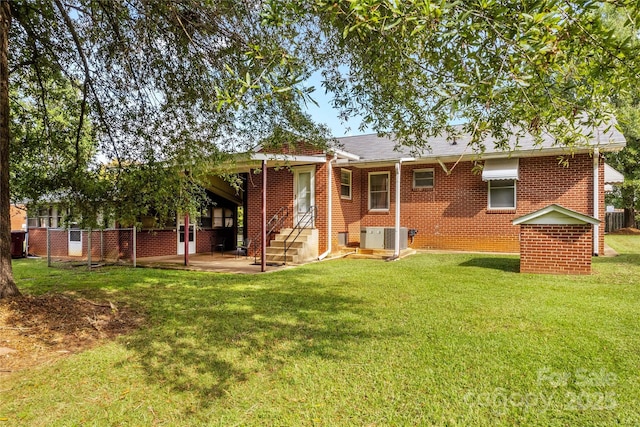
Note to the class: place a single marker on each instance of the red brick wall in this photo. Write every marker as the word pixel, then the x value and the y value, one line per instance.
pixel 38 241
pixel 108 244
pixel 346 213
pixel 279 194
pixel 556 249
pixel 451 215
pixel 118 244
pixel 156 243
pixel 454 214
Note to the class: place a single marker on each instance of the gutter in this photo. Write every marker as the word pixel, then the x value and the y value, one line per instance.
pixel 329 206
pixel 535 152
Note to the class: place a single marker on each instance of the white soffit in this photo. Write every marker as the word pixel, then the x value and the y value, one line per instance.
pixel 495 169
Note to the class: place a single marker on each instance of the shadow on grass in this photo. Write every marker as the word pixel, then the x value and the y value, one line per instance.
pixel 205 336
pixel 633 259
pixel 511 265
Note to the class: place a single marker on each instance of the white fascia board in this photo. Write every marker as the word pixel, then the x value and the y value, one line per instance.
pixel 344 155
pixel 377 163
pixel 470 157
pixel 287 158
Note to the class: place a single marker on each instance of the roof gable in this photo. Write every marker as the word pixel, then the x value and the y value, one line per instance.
pixel 555 214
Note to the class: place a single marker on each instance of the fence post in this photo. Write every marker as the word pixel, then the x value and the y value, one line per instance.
pixel 48 249
pixel 133 232
pixel 101 244
pixel 89 248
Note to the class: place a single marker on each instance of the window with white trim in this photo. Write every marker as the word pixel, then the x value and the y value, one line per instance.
pixel 345 184
pixel 423 178
pixel 502 194
pixel 379 191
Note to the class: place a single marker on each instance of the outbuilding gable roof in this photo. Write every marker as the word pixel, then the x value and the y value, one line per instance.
pixel 555 214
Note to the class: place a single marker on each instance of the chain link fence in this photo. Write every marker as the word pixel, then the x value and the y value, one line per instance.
pixel 84 247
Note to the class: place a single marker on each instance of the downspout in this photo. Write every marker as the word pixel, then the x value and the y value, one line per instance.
pixel 329 207
pixel 396 252
pixel 186 238
pixel 596 200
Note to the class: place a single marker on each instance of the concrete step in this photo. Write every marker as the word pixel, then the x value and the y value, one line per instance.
pixel 284 233
pixel 290 245
pixel 291 259
pixel 275 251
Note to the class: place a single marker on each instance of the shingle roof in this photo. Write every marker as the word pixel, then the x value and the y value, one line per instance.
pixel 372 148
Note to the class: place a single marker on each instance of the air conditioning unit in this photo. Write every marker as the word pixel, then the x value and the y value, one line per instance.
pixel 372 237
pixel 390 238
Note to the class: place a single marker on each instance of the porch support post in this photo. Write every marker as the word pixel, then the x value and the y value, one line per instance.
pixel 263 259
pixel 596 200
pixel 186 238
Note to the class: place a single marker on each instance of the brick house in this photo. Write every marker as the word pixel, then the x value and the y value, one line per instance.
pixel 365 192
pixel 449 197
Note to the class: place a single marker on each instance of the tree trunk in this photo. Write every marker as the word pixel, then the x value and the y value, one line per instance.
pixel 7 284
pixel 628 196
pixel 629 218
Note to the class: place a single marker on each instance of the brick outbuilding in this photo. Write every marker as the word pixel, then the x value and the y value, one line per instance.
pixel 556 240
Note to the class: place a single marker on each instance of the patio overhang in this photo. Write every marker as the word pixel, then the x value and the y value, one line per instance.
pixel 255 161
pixel 219 186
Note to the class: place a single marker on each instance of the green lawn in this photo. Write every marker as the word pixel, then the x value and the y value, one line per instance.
pixel 446 339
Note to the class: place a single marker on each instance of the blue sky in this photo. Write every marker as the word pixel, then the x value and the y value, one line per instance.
pixel 325 113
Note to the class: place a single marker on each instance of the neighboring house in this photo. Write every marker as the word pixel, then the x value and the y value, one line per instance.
pixel 439 195
pixel 611 178
pixel 18 215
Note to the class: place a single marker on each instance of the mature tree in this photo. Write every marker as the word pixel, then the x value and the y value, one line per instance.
pixel 7 285
pixel 51 151
pixel 168 87
pixel 502 67
pixel 182 83
pixel 627 110
pixel 627 161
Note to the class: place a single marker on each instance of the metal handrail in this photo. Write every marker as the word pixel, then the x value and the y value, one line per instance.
pixel 307 221
pixel 274 224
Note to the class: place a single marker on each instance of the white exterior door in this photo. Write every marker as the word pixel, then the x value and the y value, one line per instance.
pixel 75 242
pixel 303 193
pixel 181 237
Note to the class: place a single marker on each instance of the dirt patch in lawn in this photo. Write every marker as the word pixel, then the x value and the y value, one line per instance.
pixel 40 329
pixel 626 231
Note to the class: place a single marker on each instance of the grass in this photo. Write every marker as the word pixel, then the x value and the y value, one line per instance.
pixel 446 339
